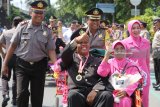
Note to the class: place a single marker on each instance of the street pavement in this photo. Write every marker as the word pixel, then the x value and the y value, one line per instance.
pixel 50 89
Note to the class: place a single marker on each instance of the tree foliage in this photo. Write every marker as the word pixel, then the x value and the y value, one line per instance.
pixel 77 8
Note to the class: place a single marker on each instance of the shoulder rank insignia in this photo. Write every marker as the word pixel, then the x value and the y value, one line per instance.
pixel 96 12
pixel 81 32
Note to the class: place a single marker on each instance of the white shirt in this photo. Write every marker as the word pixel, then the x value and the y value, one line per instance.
pixel 67 35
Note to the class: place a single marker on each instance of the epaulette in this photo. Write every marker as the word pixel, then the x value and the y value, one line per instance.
pixel 104 28
pixel 24 22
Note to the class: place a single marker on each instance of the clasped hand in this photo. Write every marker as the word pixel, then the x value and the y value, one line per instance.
pixel 91 96
pixel 83 37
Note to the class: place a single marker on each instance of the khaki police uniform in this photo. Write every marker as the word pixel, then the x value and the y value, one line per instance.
pixel 33 41
pixel 156 55
pixel 96 41
pixel 33 44
pixel 5 39
pixel 101 36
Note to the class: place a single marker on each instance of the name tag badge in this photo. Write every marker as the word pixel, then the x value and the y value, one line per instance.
pixel 45 33
pixel 119 82
pixel 25 33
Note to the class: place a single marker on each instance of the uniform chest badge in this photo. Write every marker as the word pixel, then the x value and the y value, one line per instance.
pixel 100 36
pixel 45 33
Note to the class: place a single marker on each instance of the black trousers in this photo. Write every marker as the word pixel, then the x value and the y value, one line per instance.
pixel 157 69
pixel 5 79
pixel 77 98
pixel 33 75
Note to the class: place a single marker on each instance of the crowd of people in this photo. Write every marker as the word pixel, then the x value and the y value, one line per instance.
pixel 93 81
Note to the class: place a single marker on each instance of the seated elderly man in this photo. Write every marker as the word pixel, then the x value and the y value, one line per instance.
pixel 86 87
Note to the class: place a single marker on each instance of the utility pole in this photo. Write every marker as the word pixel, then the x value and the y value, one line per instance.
pixel 8 7
pixel 0 3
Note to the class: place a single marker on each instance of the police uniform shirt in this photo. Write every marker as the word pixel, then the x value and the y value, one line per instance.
pixel 97 40
pixel 6 37
pixel 33 42
pixel 156 45
pixel 156 40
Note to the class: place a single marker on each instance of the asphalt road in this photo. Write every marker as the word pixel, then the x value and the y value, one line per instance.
pixel 50 89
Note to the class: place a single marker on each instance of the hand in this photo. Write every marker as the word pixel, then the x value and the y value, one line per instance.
pixel 3 56
pixel 91 96
pixel 121 93
pixel 83 37
pixel 56 68
pixel 108 46
pixel 5 70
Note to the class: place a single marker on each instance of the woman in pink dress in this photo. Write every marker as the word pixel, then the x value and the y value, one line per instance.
pixel 120 66
pixel 138 50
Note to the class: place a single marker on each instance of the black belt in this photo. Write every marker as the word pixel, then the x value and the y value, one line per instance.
pixel 30 62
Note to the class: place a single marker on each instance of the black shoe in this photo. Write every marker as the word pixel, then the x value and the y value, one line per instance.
pixel 156 86
pixel 157 89
pixel 14 102
pixel 5 100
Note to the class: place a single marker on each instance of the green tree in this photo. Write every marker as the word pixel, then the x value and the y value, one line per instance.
pixel 122 11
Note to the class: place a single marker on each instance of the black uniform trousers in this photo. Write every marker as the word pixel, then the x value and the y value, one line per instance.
pixel 32 74
pixel 157 69
pixel 77 98
pixel 5 79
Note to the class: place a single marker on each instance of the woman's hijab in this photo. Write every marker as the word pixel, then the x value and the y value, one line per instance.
pixel 136 39
pixel 119 63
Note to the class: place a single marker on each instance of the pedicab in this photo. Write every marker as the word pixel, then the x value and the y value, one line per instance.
pixel 62 88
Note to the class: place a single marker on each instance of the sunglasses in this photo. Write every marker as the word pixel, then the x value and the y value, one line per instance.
pixel 39 11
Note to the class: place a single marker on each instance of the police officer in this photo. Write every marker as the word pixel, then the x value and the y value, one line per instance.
pixel 156 53
pixel 5 40
pixel 34 43
pixel 86 88
pixel 58 42
pixel 97 35
pixel 52 22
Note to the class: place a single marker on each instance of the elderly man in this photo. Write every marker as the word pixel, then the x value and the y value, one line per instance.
pixel 86 88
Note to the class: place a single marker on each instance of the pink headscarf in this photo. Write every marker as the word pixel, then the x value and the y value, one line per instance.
pixel 119 62
pixel 136 40
pixel 117 42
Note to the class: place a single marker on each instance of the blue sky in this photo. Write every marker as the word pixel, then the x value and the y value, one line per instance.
pixel 22 5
